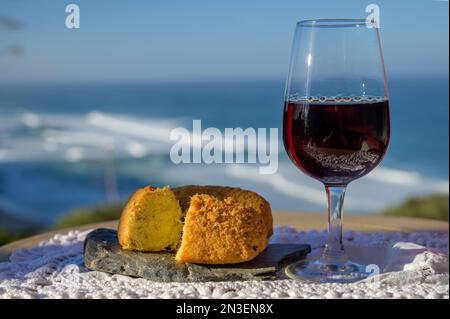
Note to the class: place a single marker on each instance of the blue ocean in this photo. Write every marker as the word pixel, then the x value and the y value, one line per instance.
pixel 69 146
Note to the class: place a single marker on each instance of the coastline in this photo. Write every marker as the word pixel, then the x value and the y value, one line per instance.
pixel 102 149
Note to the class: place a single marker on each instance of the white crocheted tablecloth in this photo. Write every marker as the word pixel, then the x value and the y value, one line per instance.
pixel 415 265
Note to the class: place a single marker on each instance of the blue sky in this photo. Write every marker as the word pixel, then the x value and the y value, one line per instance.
pixel 201 39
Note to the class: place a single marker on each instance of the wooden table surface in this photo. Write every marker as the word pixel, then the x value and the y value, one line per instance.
pixel 299 220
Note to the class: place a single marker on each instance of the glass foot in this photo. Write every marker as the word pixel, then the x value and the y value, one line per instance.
pixel 320 272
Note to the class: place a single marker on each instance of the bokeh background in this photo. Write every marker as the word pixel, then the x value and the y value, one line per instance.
pixel 85 114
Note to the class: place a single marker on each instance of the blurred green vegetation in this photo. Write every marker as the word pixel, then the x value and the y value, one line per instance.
pixel 88 215
pixel 431 207
pixel 77 217
pixel 13 227
pixel 7 236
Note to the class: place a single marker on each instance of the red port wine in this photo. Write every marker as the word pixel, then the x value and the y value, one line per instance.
pixel 336 141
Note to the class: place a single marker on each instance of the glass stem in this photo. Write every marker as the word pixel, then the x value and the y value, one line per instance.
pixel 334 249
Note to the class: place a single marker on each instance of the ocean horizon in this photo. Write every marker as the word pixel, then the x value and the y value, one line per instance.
pixel 66 146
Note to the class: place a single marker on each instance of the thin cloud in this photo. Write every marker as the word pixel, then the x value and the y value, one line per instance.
pixel 10 24
pixel 16 50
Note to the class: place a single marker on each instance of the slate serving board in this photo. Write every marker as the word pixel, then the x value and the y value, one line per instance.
pixel 103 253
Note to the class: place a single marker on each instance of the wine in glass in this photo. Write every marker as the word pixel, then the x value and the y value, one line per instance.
pixel 336 125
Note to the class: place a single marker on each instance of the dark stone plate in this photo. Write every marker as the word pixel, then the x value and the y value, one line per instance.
pixel 103 253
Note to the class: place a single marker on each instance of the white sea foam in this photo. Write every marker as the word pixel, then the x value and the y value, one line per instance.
pixel 364 195
pixel 51 137
pixel 95 135
pixel 158 130
pixel 31 120
pixel 394 176
pixel 279 183
pixel 296 189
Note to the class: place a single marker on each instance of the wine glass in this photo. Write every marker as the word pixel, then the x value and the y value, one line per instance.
pixel 336 125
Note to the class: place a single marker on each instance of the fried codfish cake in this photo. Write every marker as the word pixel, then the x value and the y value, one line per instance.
pixel 222 225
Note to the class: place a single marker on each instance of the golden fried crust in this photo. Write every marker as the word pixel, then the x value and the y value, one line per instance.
pixel 223 225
